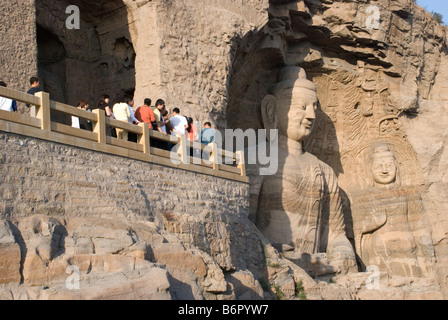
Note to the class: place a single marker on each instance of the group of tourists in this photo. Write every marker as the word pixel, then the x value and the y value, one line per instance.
pixel 156 116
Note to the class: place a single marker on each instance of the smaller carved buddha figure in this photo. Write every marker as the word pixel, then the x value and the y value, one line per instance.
pixel 391 228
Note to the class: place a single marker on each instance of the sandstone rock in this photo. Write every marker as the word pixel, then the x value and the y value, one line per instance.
pixel 380 82
pixel 376 97
pixel 10 255
pixel 204 269
pixel 148 284
pixel 245 286
pixel 13 291
pixel 43 241
pixel 177 255
pixel 89 258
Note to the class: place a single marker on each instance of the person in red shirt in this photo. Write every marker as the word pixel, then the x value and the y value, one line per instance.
pixel 146 114
pixel 192 135
pixel 192 130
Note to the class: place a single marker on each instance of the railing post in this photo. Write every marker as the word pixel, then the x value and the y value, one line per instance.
pixel 215 157
pixel 100 126
pixel 197 152
pixel 43 112
pixel 144 139
pixel 183 151
pixel 241 161
pixel 33 111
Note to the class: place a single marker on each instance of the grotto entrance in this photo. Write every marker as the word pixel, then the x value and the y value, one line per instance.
pixel 98 58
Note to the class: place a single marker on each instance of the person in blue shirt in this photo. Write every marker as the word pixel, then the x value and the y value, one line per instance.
pixel 207 137
pixel 207 134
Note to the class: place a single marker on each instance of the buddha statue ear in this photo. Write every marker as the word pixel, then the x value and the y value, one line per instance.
pixel 269 115
pixel 269 112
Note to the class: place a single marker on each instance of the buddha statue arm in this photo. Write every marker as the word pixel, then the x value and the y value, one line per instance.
pixel 373 220
pixel 256 183
pixel 421 229
pixel 340 251
pixel 367 218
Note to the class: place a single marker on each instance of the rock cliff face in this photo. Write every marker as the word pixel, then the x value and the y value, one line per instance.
pixel 84 63
pixel 104 217
pixel 378 68
pixel 80 225
pixel 180 51
pixel 19 50
pixel 121 231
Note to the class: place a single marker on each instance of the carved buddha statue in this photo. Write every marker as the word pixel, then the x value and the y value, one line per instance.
pixel 299 207
pixel 390 224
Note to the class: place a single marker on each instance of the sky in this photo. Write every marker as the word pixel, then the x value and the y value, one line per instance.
pixel 440 6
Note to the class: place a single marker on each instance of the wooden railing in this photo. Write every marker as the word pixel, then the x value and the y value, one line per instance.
pixel 39 125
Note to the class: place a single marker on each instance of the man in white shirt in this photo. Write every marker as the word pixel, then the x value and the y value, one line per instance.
pixel 179 123
pixel 122 113
pixel 7 104
pixel 132 119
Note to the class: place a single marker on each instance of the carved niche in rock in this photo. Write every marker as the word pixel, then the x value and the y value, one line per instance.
pixel 299 207
pixel 390 224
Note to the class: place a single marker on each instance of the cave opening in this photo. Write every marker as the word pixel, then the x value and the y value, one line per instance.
pixel 51 63
pixel 82 64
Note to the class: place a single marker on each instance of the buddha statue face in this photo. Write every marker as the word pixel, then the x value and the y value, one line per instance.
pixel 384 167
pixel 291 108
pixel 297 113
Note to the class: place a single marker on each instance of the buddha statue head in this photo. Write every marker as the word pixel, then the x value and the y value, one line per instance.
pixel 291 105
pixel 383 167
